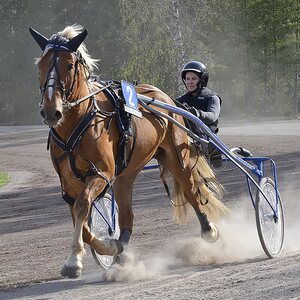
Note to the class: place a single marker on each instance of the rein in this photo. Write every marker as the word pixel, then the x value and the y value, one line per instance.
pixel 74 103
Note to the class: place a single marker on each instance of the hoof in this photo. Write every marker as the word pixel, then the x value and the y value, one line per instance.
pixel 118 245
pixel 211 235
pixel 120 259
pixel 71 272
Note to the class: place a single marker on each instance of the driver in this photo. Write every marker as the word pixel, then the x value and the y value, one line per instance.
pixel 201 102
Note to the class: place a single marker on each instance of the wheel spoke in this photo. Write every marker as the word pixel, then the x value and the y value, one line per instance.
pixel 102 209
pixel 271 231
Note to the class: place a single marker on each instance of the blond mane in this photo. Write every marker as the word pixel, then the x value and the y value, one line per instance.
pixel 71 31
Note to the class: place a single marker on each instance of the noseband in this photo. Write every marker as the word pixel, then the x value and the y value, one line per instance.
pixel 58 84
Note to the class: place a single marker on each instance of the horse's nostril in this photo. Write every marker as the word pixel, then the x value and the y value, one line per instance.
pixel 42 114
pixel 58 115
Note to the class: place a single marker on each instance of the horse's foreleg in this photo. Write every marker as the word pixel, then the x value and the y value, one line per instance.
pixel 73 266
pixel 80 211
pixel 102 247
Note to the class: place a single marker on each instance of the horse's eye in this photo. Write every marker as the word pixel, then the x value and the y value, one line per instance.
pixel 70 67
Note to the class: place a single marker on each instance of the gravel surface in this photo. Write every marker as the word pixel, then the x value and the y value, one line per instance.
pixel 165 260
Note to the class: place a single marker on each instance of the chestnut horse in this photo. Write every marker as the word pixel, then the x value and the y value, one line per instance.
pixel 85 140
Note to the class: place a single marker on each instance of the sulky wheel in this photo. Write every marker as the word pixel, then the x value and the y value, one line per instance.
pixel 99 226
pixel 270 229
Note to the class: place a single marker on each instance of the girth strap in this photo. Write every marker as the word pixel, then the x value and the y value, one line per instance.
pixel 124 125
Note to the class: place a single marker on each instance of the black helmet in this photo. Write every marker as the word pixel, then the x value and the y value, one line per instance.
pixel 197 67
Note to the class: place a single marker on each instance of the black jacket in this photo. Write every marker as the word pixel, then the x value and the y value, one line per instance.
pixel 206 106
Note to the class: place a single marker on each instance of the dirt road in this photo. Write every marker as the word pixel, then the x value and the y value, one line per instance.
pixel 166 261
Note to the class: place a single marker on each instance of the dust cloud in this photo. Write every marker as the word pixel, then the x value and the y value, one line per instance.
pixel 291 209
pixel 238 241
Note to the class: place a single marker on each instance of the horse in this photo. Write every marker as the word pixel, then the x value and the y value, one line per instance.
pixel 85 139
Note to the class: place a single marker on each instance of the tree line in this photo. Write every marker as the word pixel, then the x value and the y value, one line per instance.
pixel 251 49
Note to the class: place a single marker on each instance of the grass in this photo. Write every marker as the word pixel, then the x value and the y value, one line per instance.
pixel 4 179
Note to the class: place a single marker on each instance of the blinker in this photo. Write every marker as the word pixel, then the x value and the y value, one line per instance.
pixel 58 45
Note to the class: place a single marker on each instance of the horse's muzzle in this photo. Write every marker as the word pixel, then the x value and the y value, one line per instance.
pixel 51 117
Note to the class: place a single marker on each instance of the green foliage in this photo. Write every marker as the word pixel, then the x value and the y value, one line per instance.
pixel 4 179
pixel 149 44
pixel 249 46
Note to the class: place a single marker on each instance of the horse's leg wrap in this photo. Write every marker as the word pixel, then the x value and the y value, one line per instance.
pixel 124 240
pixel 202 217
pixel 210 232
pixel 124 237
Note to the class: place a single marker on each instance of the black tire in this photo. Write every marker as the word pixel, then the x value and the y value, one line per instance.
pixel 100 228
pixel 270 231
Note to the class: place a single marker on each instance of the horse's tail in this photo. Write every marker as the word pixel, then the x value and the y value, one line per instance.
pixel 209 191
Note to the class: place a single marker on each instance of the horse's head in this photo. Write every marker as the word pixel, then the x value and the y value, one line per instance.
pixel 58 72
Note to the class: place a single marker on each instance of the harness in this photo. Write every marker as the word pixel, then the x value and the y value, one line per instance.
pixel 124 121
pixel 73 142
pixel 70 148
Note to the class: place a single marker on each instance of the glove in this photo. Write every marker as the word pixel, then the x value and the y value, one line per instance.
pixel 190 109
pixel 186 106
pixel 194 111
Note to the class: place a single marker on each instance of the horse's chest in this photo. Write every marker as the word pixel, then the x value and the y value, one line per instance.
pixel 69 166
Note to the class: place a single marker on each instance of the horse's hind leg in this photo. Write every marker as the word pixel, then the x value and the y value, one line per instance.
pixel 184 178
pixel 123 194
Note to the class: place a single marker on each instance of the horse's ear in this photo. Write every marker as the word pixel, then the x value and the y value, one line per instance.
pixel 39 38
pixel 75 42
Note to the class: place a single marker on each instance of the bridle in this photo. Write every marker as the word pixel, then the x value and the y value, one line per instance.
pixel 58 84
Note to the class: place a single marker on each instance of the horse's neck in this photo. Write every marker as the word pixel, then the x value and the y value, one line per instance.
pixel 82 90
pixel 94 85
